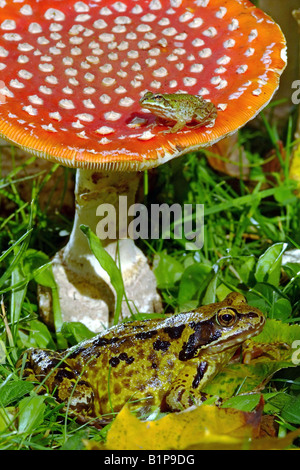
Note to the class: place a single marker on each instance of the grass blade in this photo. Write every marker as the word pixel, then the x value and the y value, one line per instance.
pixel 109 265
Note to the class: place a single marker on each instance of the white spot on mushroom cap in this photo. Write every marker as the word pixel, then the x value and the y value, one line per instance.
pixel 26 10
pixel 52 79
pixel 104 130
pixel 12 37
pixel 35 99
pixel 8 25
pixel 105 99
pixel 46 67
pixel 242 68
pixel 54 14
pixel 189 81
pixel 3 52
pixel 81 7
pixel 87 90
pixel 85 117
pixel 229 43
pixel 16 83
pixel 210 32
pixel 147 135
pixel 25 74
pixel 89 104
pixel 55 115
pixel 196 23
pixel 126 101
pixel 249 52
pixel 253 35
pixel 221 12
pixel 49 127
pixel 77 124
pixel 225 59
pixel 55 27
pixel 205 53
pixel 42 40
pixel 66 104
pixel 25 47
pixel 155 5
pixel 112 116
pixel 46 90
pixel 30 110
pixel 108 81
pixel 35 28
pixel 82 18
pixel 68 90
pixel 233 25
pixel 6 92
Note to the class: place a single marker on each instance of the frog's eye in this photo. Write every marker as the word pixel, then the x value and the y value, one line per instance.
pixel 158 97
pixel 226 316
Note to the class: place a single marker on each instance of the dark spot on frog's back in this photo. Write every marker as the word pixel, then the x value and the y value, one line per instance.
pixel 124 357
pixel 100 341
pixel 161 345
pixel 146 334
pixel 114 361
pixel 174 332
pixel 64 374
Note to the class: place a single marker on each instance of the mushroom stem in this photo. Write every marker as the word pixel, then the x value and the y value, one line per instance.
pixel 93 190
pixel 83 284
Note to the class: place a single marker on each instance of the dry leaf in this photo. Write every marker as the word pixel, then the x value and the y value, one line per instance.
pixel 202 428
pixel 228 157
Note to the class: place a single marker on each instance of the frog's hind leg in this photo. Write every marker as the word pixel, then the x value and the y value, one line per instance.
pixel 52 371
pixel 38 365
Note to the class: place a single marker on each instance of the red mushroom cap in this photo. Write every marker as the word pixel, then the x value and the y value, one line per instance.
pixel 72 73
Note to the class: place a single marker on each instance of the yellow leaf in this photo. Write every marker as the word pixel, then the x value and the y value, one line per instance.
pixel 204 427
pixel 295 165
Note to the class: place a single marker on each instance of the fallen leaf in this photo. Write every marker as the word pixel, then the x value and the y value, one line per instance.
pixel 202 428
pixel 206 426
pixel 229 157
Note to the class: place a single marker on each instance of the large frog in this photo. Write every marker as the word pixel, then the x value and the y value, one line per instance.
pixel 163 362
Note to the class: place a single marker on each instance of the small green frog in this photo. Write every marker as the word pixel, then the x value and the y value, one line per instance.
pixel 164 362
pixel 181 108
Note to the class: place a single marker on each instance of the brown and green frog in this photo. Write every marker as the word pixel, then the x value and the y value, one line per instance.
pixel 181 108
pixel 163 362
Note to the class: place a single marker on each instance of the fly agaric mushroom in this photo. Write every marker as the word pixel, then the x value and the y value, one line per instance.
pixel 72 75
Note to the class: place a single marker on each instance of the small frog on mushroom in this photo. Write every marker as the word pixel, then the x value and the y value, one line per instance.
pixel 74 73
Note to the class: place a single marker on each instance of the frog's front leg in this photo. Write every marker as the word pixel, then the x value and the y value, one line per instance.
pixel 52 370
pixel 186 390
pixel 180 124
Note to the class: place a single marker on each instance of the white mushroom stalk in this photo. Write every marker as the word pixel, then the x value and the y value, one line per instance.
pixel 81 279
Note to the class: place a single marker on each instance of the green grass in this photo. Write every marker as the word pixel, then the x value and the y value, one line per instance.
pixel 247 226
